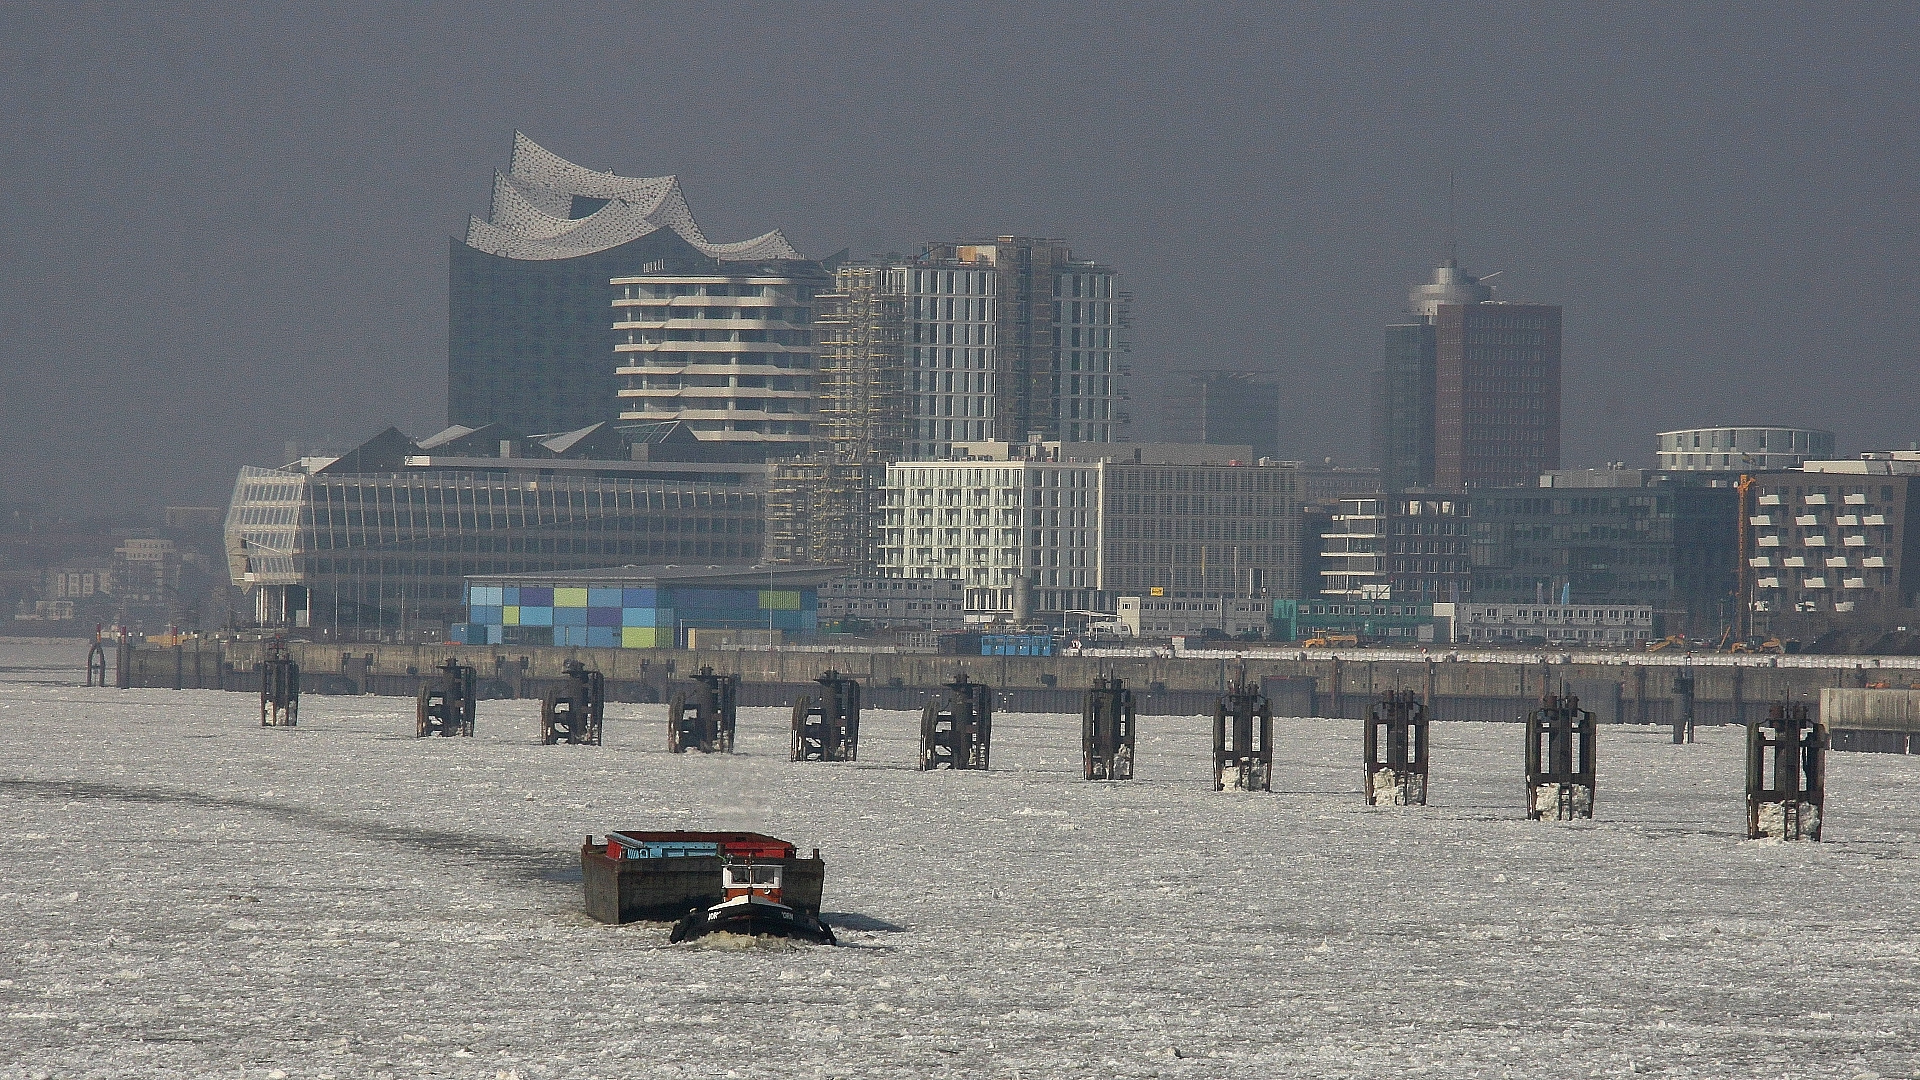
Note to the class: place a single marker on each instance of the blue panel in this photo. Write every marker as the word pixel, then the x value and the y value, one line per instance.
pixel 603 637
pixel 603 616
pixel 485 596
pixel 490 615
pixel 570 635
pixel 636 616
pixel 494 634
pixel 510 595
pixel 809 620
pixel 568 616
pixel 638 598
pixel 532 597
pixel 603 598
pixel 536 616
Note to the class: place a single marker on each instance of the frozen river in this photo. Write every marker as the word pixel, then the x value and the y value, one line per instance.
pixel 185 892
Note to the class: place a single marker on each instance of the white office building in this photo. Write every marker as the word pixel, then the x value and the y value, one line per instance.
pixel 1741 449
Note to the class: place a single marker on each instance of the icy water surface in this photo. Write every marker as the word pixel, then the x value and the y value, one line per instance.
pixel 187 893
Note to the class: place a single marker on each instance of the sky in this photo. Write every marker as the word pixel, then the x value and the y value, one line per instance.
pixel 224 227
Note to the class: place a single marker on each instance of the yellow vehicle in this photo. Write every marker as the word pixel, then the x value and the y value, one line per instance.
pixel 1332 641
pixel 1671 641
pixel 1771 645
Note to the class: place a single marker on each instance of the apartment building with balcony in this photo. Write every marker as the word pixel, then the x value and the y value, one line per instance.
pixel 1834 537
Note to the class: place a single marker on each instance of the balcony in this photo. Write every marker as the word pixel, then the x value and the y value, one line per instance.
pixel 1847 519
pixel 1837 560
pixel 1855 500
pixel 1768 500
pixel 1807 520
pixel 1814 583
pixel 1767 583
pixel 1879 520
pixel 1767 542
pixel 1843 605
pixel 1793 562
pixel 1761 561
pixel 1817 499
pixel 1857 540
pixel 1818 540
pixel 1875 562
pixel 1855 583
pixel 1760 519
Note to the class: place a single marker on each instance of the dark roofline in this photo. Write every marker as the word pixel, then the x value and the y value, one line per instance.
pixel 715 574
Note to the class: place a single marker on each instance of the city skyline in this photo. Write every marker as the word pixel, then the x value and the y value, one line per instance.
pixel 1721 207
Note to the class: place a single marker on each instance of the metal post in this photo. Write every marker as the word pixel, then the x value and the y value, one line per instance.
pixel 1786 774
pixel 1243 738
pixel 1562 741
pixel 1394 742
pixel 1107 731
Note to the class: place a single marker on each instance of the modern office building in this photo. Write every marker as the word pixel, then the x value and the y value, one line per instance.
pixel 1072 528
pixel 530 296
pixel 1742 449
pixel 379 541
pixel 1836 537
pixel 1610 537
pixel 1407 547
pixel 1469 394
pixel 1224 408
pixel 1000 340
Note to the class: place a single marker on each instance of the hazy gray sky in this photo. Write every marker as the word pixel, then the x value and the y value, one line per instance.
pixel 224 227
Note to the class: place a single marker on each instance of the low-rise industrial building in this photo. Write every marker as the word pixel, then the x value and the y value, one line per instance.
pixel 1162 616
pixel 1387 621
pixel 900 603
pixel 1552 624
pixel 639 607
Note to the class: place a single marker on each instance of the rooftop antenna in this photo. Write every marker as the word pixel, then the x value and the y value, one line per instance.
pixel 1453 243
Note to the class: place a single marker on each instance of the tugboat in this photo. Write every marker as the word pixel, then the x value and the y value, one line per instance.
pixel 752 908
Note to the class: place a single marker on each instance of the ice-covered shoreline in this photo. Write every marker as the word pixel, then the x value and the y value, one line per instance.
pixel 189 893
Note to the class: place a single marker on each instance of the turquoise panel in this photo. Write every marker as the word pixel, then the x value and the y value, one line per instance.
pixel 536 616
pixel 637 616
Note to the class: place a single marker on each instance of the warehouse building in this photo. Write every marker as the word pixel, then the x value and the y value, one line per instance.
pixel 639 607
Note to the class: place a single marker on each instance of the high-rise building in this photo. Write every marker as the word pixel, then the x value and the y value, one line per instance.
pixel 530 297
pixel 1000 340
pixel 1224 408
pixel 1469 394
pixel 1496 401
pixel 727 351
pixel 860 326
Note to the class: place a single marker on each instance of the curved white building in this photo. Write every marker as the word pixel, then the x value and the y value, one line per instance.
pixel 1741 449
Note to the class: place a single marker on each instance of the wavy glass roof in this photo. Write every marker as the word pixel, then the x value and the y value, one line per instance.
pixel 535 202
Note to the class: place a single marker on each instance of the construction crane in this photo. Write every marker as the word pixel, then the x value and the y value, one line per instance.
pixel 1743 621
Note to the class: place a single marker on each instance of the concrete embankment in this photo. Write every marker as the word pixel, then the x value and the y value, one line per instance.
pixel 1626 690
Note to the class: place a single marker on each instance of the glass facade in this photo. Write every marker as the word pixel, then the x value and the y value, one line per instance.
pixel 379 552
